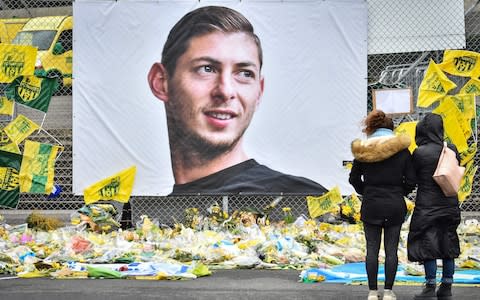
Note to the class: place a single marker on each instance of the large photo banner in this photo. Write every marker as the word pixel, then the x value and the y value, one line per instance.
pixel 277 113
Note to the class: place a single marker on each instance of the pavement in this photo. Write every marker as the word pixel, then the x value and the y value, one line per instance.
pixel 222 284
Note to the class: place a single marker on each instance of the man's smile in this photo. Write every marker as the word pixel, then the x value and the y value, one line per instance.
pixel 220 115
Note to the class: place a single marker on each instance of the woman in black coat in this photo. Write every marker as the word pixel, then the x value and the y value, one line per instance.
pixel 383 174
pixel 433 228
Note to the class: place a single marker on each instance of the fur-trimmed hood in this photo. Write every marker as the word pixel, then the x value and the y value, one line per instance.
pixel 379 148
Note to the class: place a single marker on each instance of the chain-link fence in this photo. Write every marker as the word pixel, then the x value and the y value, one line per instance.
pixel 399 69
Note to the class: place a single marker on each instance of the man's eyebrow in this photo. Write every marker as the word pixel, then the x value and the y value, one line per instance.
pixel 208 59
pixel 247 64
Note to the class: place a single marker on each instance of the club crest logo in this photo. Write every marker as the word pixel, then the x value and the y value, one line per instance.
pixel 8 179
pixel 111 189
pixel 29 88
pixel 4 139
pixel 465 63
pixel 433 83
pixel 13 63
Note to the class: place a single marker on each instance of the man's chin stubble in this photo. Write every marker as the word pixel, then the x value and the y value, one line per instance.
pixel 197 151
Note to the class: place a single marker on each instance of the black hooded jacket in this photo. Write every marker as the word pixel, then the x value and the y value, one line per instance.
pixel 436 217
pixel 383 174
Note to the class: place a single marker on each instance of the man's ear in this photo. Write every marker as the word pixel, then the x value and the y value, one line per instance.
pixel 157 79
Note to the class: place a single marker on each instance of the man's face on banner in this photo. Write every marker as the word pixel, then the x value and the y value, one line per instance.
pixel 215 90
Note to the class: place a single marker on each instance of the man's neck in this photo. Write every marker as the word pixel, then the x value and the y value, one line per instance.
pixel 190 169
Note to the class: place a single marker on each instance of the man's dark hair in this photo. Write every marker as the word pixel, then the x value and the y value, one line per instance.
pixel 201 21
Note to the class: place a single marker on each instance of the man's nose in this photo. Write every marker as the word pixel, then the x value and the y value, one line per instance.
pixel 225 87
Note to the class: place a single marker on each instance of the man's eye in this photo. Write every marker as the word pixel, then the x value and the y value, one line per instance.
pixel 206 69
pixel 247 73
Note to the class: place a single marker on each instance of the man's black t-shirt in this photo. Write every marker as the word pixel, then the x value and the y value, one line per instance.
pixel 249 177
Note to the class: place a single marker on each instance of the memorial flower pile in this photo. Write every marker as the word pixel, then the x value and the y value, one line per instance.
pixel 93 245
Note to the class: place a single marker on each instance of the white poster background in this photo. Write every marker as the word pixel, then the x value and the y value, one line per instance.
pixel 315 68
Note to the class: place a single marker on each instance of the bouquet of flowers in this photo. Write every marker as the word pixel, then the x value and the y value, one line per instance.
pixel 350 208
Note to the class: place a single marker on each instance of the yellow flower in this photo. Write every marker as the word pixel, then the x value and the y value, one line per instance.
pixel 410 205
pixel 356 217
pixel 347 210
pixel 324 226
pixel 335 209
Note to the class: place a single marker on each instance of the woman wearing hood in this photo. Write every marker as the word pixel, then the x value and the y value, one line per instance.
pixel 433 228
pixel 383 174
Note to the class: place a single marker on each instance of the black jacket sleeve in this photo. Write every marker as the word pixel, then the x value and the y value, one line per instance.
pixel 355 178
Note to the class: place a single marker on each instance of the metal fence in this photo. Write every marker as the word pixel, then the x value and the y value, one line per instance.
pixel 384 70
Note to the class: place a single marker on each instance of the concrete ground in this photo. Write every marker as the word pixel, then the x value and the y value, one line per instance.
pixel 222 284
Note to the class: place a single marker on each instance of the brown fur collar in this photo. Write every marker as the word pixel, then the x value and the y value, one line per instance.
pixel 379 148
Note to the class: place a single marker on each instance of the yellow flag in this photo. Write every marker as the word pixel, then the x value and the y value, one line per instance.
pixel 6 106
pixel 449 106
pixel 452 119
pixel 9 185
pixel 465 103
pixel 467 181
pixel 468 154
pixel 38 167
pixel 20 128
pixel 435 85
pixel 328 202
pixel 461 63
pixel 116 187
pixel 409 129
pixel 471 87
pixel 16 60
pixel 6 144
